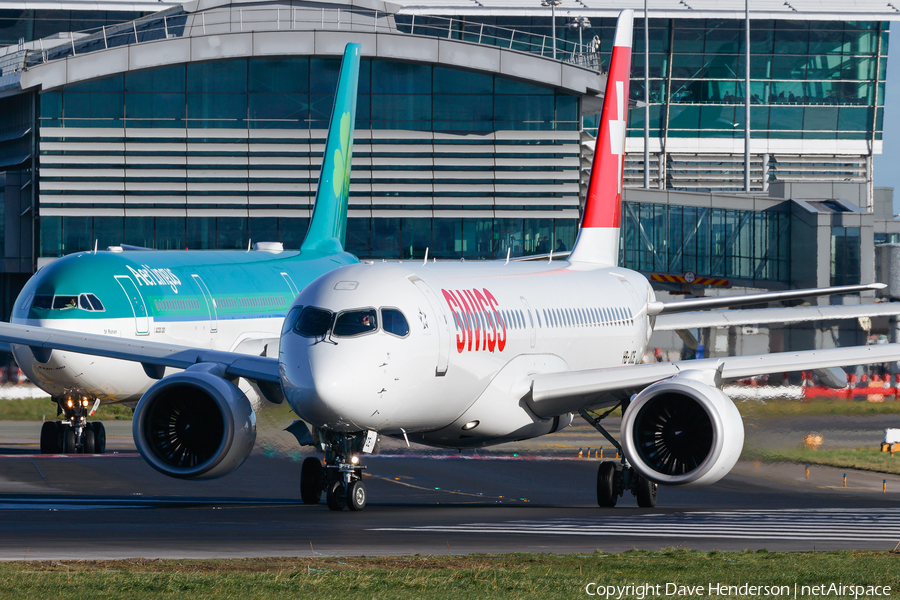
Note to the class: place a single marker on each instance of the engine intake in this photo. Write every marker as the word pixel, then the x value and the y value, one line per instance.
pixel 194 425
pixel 682 431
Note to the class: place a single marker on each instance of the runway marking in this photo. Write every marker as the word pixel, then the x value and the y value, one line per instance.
pixel 788 524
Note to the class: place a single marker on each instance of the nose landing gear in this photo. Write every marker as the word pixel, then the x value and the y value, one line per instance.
pixel 341 476
pixel 73 435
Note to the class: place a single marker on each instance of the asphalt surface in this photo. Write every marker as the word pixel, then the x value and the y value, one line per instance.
pixel 536 496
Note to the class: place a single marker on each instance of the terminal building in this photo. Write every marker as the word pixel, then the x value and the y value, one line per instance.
pixel 201 125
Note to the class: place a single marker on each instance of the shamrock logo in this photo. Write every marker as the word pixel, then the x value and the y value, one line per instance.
pixel 340 179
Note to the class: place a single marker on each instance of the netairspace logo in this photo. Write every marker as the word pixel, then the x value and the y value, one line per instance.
pixel 721 590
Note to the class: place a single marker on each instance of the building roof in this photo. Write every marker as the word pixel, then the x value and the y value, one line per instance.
pixel 811 10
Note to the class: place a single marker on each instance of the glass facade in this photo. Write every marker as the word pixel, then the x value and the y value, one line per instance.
pixel 31 25
pixel 240 140
pixel 713 242
pixel 298 92
pixel 845 255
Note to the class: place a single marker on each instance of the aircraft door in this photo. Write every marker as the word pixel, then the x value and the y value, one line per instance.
pixel 530 317
pixel 443 326
pixel 141 318
pixel 210 304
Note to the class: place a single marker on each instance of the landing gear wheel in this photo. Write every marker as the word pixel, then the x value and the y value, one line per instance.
pixel 99 436
pixel 606 485
pixel 88 442
pixel 311 476
pixel 356 495
pixel 646 492
pixel 69 441
pixel 49 438
pixel 336 496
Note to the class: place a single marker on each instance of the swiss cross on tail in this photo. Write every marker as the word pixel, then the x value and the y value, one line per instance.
pixel 598 237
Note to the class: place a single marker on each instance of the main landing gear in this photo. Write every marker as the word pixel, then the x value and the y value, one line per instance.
pixel 341 476
pixel 613 480
pixel 73 435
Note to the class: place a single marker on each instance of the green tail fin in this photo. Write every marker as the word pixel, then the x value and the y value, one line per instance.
pixel 328 226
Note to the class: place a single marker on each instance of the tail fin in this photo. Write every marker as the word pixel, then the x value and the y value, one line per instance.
pixel 598 237
pixel 328 226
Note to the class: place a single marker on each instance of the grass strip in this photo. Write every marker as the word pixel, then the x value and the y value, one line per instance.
pixel 538 576
pixel 863 459
pixel 43 409
pixel 816 407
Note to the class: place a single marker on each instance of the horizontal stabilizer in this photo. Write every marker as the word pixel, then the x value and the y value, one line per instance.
pixel 761 316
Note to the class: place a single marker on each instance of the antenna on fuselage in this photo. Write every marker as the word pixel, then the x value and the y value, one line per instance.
pixel 96 241
pixel 551 256
pixel 249 244
pixel 426 257
pixel 508 250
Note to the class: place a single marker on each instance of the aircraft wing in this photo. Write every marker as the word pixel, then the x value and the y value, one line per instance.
pixel 554 394
pixel 759 316
pixel 152 355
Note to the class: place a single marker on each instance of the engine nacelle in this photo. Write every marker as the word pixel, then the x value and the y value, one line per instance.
pixel 194 425
pixel 683 431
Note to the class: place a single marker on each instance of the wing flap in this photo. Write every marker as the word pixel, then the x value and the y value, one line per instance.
pixel 759 316
pixel 553 394
pixel 149 354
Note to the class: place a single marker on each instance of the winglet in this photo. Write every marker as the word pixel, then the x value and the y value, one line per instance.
pixel 598 237
pixel 328 226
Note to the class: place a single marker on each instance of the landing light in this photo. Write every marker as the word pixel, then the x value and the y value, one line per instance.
pixel 84 402
pixel 70 403
pixel 355 460
pixel 470 425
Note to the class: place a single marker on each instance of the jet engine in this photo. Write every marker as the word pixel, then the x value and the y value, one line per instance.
pixel 194 425
pixel 683 431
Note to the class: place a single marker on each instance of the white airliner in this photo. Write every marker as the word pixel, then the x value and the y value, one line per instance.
pixel 464 355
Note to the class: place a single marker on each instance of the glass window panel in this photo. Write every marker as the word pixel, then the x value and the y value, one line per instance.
pixel 293 107
pixel 826 66
pixel 518 88
pixel 106 84
pixel 323 75
pixel 523 109
pixel 825 41
pixel 93 106
pixel 415 109
pixel 479 239
pixel 684 117
pixel 447 238
pixel 154 106
pixel 509 236
pixel 720 40
pixel 385 241
pixel 854 118
pixel 358 233
pixel 76 234
pixel 464 108
pixel 170 233
pixel 762 40
pixel 454 81
pixel 788 67
pixel 278 75
pixel 231 233
pixel 415 237
pixel 688 65
pixel 859 42
pixel 108 231
pixel 263 229
pixel 292 230
pixel 790 41
pixel 217 106
pixel 201 233
pixel 821 118
pixel 717 117
pixel 164 79
pixel 566 108
pixel 785 117
pixel 688 40
pixel 229 76
pixel 51 107
pixel 51 236
pixel 858 67
pixel 400 78
pixel 139 232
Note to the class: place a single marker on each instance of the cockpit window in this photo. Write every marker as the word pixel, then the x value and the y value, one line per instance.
pixel 393 322
pixel 60 301
pixel 314 322
pixel 290 318
pixel 42 301
pixel 356 322
pixel 95 301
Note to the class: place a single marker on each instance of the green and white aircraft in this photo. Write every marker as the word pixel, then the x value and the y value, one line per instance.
pixel 218 300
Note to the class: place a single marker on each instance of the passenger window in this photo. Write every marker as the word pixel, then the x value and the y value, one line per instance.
pixel 290 318
pixel 314 322
pixel 43 302
pixel 65 302
pixel 394 322
pixel 355 322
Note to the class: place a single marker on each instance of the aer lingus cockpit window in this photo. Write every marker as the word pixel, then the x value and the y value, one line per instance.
pixel 393 322
pixel 290 318
pixel 42 302
pixel 356 322
pixel 314 322
pixel 90 302
pixel 61 301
